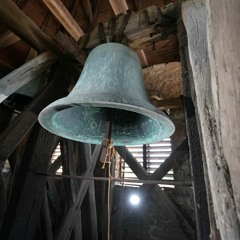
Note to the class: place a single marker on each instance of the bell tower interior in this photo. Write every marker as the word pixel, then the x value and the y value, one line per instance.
pixel 119 120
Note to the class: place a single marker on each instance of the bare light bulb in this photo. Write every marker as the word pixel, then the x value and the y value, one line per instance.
pixel 134 199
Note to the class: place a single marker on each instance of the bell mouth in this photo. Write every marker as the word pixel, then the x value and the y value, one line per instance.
pixel 87 123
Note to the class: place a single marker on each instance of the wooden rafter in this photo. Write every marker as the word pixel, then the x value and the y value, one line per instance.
pixel 119 6
pixel 67 224
pixel 8 38
pixel 20 126
pixel 24 27
pixel 142 57
pixel 138 37
pixel 28 31
pixel 27 194
pixel 26 73
pixel 65 18
pixel 5 68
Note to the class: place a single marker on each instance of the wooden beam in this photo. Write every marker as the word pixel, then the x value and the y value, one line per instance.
pixel 158 194
pixel 91 197
pixel 8 38
pixel 88 10
pixel 19 23
pixel 143 4
pixel 73 50
pixel 3 197
pixel 138 30
pixel 67 224
pixel 60 78
pixel 196 160
pixel 119 6
pixel 23 211
pixel 214 53
pixel 142 57
pixel 170 103
pixel 45 219
pixel 167 165
pixel 5 68
pixel 26 73
pixel 65 18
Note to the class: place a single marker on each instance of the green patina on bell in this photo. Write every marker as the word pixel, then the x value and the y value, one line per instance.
pixel 112 79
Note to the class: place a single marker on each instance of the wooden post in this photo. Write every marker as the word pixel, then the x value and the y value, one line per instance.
pixel 65 228
pixel 23 211
pixel 215 56
pixel 196 157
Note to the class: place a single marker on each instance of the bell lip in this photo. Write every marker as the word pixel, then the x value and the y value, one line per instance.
pixel 156 114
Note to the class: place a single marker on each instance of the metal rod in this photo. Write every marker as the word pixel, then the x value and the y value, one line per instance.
pixel 165 182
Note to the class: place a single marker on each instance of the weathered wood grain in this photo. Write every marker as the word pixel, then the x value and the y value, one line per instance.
pixel 8 38
pixel 26 73
pixel 5 68
pixel 138 29
pixel 61 77
pixel 217 98
pixel 119 6
pixel 201 189
pixel 73 50
pixel 3 197
pixel 23 211
pixel 67 224
pixel 19 23
pixel 23 26
pixel 65 18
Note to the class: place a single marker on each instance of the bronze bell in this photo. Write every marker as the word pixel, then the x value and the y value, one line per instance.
pixel 111 82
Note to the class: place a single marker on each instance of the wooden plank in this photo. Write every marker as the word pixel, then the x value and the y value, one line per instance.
pixel 142 57
pixel 26 73
pixel 5 68
pixel 31 55
pixel 167 165
pixel 214 61
pixel 143 4
pixel 92 210
pixel 67 224
pixel 88 9
pixel 170 103
pixel 60 77
pixel 138 29
pixel 8 38
pixel 19 23
pixel 119 6
pixel 3 197
pixel 45 219
pixel 65 18
pixel 201 189
pixel 73 50
pixel 70 185
pixel 23 212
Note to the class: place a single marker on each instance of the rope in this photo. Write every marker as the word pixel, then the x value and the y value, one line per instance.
pixel 111 152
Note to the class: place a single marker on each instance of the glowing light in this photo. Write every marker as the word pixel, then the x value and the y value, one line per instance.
pixel 134 199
